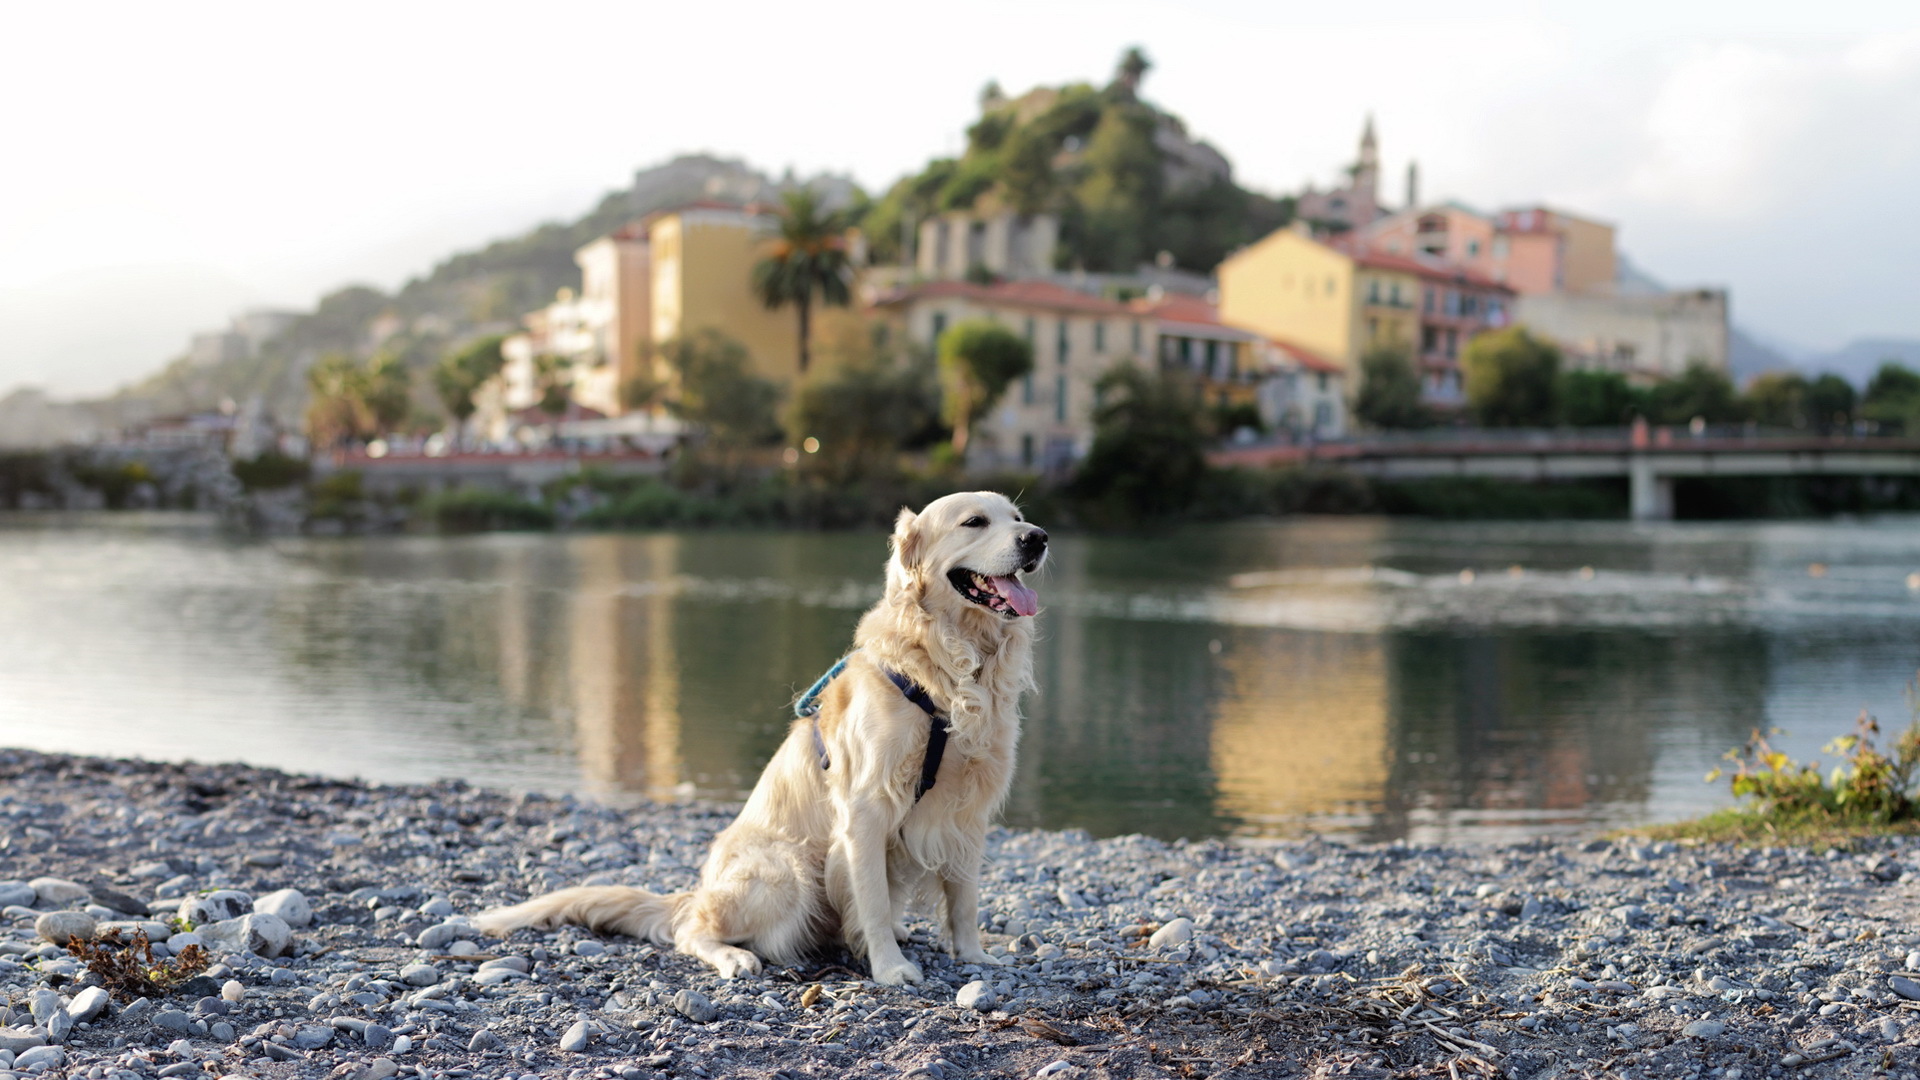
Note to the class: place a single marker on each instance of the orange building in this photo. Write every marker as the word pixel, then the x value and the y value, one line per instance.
pixel 1532 250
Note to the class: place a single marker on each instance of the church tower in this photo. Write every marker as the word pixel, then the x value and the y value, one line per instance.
pixel 1366 171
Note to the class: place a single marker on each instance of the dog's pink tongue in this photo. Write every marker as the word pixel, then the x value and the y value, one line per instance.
pixel 1024 600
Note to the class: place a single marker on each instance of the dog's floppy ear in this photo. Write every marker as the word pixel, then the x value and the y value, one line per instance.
pixel 906 540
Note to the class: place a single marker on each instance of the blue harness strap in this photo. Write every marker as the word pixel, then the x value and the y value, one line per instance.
pixel 808 708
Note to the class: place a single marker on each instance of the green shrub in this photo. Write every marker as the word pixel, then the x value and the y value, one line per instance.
pixel 271 469
pixel 1868 786
pixel 480 509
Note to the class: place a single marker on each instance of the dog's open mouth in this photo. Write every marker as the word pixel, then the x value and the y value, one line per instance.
pixel 1005 595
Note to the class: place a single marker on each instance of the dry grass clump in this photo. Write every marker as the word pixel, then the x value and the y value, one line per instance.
pixel 130 970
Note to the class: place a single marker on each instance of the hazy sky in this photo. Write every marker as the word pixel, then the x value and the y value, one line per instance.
pixel 170 163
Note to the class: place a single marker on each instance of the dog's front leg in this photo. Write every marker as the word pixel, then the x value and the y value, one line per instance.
pixel 963 917
pixel 865 839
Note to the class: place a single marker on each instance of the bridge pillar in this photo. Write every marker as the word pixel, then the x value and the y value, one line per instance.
pixel 1649 494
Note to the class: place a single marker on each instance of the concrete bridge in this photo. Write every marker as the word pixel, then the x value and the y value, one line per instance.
pixel 1651 460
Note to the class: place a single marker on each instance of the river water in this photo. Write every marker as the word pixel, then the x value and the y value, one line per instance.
pixel 1364 677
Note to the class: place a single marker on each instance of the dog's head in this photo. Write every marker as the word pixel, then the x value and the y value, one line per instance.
pixel 966 552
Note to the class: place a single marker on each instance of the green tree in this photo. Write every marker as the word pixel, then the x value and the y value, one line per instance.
pixel 553 379
pixel 337 411
pixel 718 391
pixel 1699 391
pixel 460 373
pixel 1512 378
pixel 1831 403
pixel 873 406
pixel 978 359
pixel 1892 399
pixel 1779 399
pixel 388 388
pixel 1149 448
pixel 808 259
pixel 1389 394
pixel 1596 399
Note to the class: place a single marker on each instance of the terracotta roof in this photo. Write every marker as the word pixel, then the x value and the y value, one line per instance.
pixel 1312 361
pixel 1042 295
pixel 1374 259
pixel 1178 307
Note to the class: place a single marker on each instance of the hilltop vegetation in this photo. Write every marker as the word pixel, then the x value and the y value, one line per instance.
pixel 1125 178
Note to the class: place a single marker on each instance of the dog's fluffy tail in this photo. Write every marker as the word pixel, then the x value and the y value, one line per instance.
pixel 607 908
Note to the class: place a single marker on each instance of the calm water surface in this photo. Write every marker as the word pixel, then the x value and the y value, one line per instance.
pixel 1366 677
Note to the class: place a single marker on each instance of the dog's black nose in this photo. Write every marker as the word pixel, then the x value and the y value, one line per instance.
pixel 1034 542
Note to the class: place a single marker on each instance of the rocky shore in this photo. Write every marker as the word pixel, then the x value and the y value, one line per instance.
pixel 335 916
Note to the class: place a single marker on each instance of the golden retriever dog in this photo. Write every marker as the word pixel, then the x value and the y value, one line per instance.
pixel 842 834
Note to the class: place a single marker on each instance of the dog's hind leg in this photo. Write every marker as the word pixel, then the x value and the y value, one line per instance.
pixel 757 892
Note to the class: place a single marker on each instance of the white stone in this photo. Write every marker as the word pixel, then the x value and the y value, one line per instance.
pixel 1704 1029
pixel 1173 934
pixel 88 1004
pixel 975 995
pixel 57 892
pixel 290 905
pixel 260 934
pixel 231 990
pixel 221 905
pixel 575 1040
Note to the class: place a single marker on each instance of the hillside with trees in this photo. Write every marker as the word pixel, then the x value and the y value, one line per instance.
pixel 1125 178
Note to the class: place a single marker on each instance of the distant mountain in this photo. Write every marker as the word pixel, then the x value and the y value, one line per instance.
pixel 1860 359
pixel 484 290
pixel 1748 356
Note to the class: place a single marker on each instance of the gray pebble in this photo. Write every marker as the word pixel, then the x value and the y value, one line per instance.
pixel 483 1040
pixel 42 1004
pixel 16 893
pixel 1704 1029
pixel 420 975
pixel 312 1037
pixel 377 1036
pixel 1905 987
pixel 694 1006
pixel 172 1020
pixel 60 927
pixel 88 1004
pixel 51 1057
pixel 575 1039
pixel 589 948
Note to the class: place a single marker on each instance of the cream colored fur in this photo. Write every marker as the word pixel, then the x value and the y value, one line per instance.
pixel 842 853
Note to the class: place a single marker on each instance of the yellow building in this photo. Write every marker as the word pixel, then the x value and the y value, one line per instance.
pixel 701 267
pixel 671 274
pixel 1296 289
pixel 1338 299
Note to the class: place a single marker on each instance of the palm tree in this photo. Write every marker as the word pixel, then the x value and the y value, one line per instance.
pixel 808 257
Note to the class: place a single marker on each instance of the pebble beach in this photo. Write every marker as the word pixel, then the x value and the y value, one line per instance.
pixel 336 914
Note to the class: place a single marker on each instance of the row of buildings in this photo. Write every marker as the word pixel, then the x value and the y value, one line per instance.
pixel 1279 330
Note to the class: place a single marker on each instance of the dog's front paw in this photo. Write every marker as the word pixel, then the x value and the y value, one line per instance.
pixel 976 955
pixel 898 973
pixel 732 963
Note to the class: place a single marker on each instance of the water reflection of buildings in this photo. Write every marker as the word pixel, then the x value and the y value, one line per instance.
pixel 1302 729
pixel 624 667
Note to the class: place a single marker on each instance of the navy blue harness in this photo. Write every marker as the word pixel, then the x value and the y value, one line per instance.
pixel 808 708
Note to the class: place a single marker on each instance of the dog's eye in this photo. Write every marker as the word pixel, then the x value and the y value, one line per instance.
pixel 974 522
